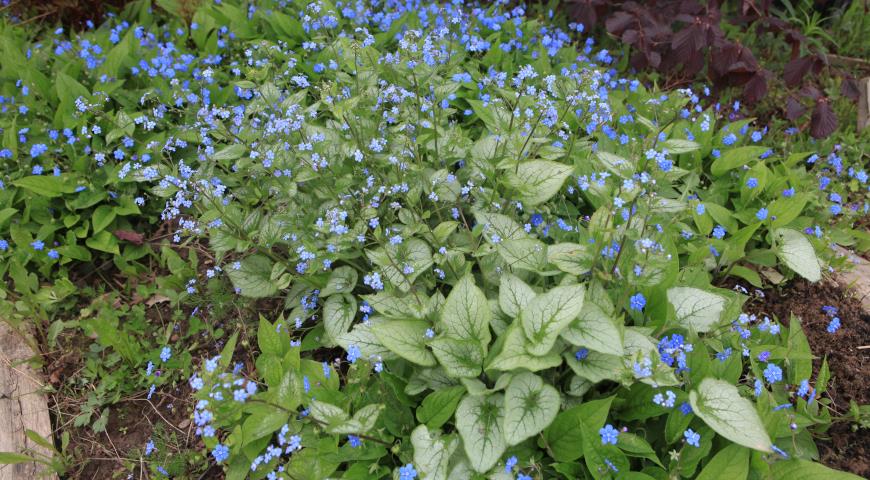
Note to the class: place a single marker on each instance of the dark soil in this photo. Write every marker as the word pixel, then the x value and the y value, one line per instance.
pixel 845 449
pixel 71 13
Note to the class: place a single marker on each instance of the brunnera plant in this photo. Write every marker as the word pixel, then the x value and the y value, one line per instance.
pixel 514 248
pixel 512 251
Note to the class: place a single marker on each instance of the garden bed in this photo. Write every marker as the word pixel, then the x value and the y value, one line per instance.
pixel 848 355
pixel 378 240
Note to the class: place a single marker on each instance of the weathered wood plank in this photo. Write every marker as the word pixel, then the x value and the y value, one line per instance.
pixel 22 406
pixel 864 104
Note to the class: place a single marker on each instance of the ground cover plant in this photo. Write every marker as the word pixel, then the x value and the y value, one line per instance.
pixel 412 240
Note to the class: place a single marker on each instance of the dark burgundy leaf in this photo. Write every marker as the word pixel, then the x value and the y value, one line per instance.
pixel 619 22
pixel 823 121
pixel 135 238
pixel 630 36
pixel 584 11
pixel 795 70
pixel 850 89
pixel 654 59
pixel 756 88
pixel 794 109
pixel 810 91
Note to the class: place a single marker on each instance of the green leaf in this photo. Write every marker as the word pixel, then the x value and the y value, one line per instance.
pixel 570 258
pixel 76 252
pixel 797 253
pixel 798 469
pixel 341 280
pixel 104 242
pixel 548 314
pixel 538 180
pixel 12 458
pixel 466 313
pixel 407 339
pixel 102 218
pixel 696 309
pixel 338 314
pixel 253 277
pixel 615 164
pixel 800 355
pixel 503 226
pixel 732 462
pixel 363 336
pixel 437 408
pixel 392 306
pixel 460 358
pixel 596 367
pixel 432 453
pixel 231 152
pixel 595 330
pixel 413 252
pixel 268 339
pixel 261 424
pixel 736 157
pixel 677 145
pixel 328 414
pixel 337 421
pixel 564 438
pixel 513 295
pixel 514 355
pixel 45 185
pixel 530 406
pixel 637 446
pixel 68 87
pixel 720 405
pixel 524 254
pixel 479 421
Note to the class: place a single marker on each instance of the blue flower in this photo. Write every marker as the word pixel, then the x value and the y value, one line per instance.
pixel 834 325
pixel 353 353
pixel 637 302
pixel 804 388
pixel 37 245
pixel 772 373
pixel 510 464
pixel 692 438
pixel 719 232
pixel 581 354
pixel 761 214
pixel 407 472
pixel 779 451
pixel 165 354
pixel 685 408
pixel 38 149
pixel 608 434
pixel 220 453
